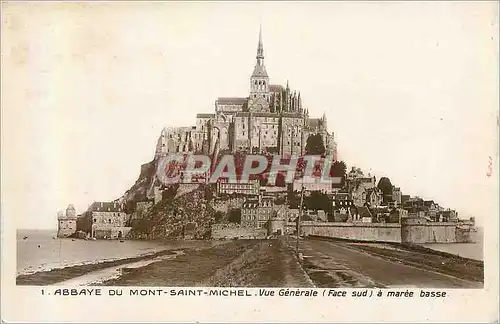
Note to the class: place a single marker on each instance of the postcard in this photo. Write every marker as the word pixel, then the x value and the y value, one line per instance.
pixel 249 161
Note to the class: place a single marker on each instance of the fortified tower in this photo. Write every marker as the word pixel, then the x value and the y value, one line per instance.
pixel 66 223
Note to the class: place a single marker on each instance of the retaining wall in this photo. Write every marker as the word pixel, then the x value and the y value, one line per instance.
pixel 229 231
pixel 390 232
pixel 353 231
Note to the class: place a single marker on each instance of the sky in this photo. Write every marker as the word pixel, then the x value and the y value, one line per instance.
pixel 410 90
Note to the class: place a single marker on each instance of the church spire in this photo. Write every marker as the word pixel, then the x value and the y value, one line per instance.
pixel 260 69
pixel 260 47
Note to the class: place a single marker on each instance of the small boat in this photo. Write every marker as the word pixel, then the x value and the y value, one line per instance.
pixel 122 241
pixel 73 240
pixel 24 238
pixel 93 239
pixel 53 237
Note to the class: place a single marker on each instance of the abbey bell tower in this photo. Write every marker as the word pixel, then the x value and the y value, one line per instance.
pixel 259 82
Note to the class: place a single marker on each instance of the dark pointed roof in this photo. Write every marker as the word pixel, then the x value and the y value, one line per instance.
pixel 259 71
pixel 364 212
pixel 205 115
pixel 105 207
pixel 276 88
pixel 313 122
pixel 232 100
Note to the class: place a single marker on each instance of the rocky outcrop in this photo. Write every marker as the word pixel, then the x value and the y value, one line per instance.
pixel 142 189
pixel 171 217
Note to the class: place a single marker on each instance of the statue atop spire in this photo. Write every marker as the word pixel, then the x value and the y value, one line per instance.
pixel 260 47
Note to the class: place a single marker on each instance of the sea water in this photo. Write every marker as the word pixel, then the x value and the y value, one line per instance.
pixel 466 250
pixel 42 251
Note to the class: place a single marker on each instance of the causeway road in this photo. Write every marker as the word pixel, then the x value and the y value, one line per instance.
pixel 341 264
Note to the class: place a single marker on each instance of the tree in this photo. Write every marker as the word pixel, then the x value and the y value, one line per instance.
pixel 170 191
pixel 315 145
pixel 218 216
pixel 339 169
pixel 209 195
pixel 234 216
pixel 385 186
pixel 293 201
pixel 318 201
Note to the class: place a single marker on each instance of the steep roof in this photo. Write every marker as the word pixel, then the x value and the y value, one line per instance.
pixel 250 204
pixel 428 203
pixel 205 115
pixel 293 114
pixel 232 100
pixel 304 218
pixel 259 71
pixel 364 212
pixel 256 114
pixel 276 88
pixel 105 207
pixel 313 122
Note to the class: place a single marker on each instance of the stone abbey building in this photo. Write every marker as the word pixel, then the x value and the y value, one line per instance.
pixel 271 119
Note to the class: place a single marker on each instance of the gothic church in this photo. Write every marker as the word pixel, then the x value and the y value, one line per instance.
pixel 271 119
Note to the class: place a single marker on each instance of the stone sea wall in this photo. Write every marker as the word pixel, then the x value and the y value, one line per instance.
pixel 373 232
pixel 418 232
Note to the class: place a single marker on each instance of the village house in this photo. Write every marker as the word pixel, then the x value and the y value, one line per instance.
pixel 342 214
pixel 431 209
pixel 358 194
pixel 356 177
pixel 250 188
pixel 256 212
pixel 363 215
pixel 448 216
pixel 109 221
pixel 396 196
pixel 342 199
pixel 413 204
pixel 311 184
pixel 374 197
pixel 317 215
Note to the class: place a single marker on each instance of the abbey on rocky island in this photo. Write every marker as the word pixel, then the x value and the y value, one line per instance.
pixel 271 119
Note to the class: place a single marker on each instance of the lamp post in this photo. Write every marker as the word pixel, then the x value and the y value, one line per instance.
pixel 299 218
